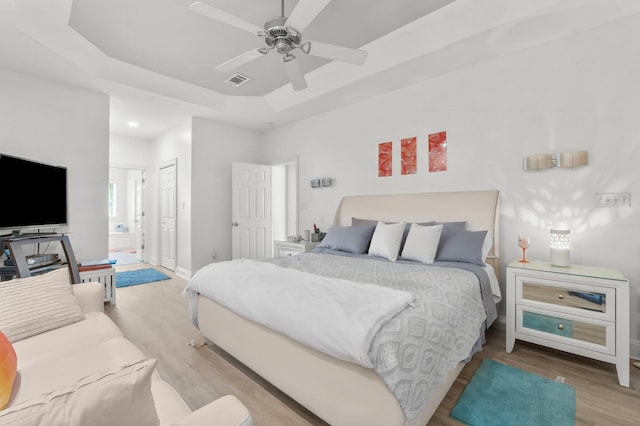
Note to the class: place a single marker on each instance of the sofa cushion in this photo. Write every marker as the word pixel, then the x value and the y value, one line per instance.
pixel 8 367
pixel 118 396
pixel 228 411
pixel 170 406
pixel 96 327
pixel 33 305
pixel 56 372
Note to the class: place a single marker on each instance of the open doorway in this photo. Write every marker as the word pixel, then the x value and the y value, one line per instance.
pixel 126 215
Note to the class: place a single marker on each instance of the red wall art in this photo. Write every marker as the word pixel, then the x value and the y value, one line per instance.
pixel 408 156
pixel 438 152
pixel 385 157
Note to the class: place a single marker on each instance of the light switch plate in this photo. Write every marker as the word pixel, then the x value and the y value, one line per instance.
pixel 619 199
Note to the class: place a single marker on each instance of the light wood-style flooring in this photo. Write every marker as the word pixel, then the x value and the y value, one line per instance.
pixel 155 317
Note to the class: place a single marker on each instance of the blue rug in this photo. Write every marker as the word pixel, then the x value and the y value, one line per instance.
pixel 139 276
pixel 502 395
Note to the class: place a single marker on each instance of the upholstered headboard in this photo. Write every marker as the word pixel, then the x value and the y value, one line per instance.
pixel 478 208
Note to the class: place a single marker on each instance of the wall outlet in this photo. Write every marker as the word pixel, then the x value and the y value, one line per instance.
pixel 620 199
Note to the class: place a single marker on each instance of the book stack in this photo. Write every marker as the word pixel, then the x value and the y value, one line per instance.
pixel 92 265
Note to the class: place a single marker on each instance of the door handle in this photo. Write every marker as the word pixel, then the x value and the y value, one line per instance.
pixel 234 223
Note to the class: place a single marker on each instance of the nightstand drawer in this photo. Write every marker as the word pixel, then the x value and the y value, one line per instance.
pixel 567 329
pixel 288 248
pixel 286 251
pixel 590 301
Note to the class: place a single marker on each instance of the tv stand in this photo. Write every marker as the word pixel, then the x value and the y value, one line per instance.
pixel 17 235
pixel 21 266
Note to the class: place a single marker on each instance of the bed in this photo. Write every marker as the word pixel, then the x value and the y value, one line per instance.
pixel 377 386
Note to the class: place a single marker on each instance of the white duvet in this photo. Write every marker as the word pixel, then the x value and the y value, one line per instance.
pixel 335 316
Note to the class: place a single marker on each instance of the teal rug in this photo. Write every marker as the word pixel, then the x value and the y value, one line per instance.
pixel 499 394
pixel 139 276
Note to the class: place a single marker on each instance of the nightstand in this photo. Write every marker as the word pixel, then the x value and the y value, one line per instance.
pixel 583 310
pixel 288 248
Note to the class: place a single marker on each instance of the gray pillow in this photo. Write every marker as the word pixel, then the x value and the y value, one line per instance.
pixel 352 239
pixel 363 222
pixel 459 245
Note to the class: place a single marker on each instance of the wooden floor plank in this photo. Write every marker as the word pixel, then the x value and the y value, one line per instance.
pixel 155 317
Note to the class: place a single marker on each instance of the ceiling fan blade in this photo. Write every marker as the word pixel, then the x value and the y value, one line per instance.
pixel 305 12
pixel 222 16
pixel 239 60
pixel 293 70
pixel 338 53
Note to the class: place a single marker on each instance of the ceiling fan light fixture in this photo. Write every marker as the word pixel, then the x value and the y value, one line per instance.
pixel 284 35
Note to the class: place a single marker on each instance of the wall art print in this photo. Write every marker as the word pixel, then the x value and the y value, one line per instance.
pixel 438 152
pixel 408 156
pixel 385 157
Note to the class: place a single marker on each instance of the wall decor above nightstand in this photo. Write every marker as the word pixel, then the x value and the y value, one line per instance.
pixel 583 310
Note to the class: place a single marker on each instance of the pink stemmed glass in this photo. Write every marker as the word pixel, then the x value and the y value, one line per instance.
pixel 523 243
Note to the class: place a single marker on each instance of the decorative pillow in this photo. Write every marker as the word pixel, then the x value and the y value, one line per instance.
pixel 445 225
pixel 422 243
pixel 352 239
pixel 386 240
pixel 363 222
pixel 121 396
pixel 460 245
pixel 8 368
pixel 368 222
pixel 33 305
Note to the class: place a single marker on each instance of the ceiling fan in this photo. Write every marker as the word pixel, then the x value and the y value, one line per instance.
pixel 284 36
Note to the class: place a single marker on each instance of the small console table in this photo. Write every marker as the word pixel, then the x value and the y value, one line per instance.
pixel 16 251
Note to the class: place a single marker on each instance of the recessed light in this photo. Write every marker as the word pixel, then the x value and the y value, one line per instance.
pixel 132 124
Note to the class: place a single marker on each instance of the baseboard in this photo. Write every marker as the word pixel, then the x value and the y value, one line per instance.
pixel 501 322
pixel 183 273
pixel 634 349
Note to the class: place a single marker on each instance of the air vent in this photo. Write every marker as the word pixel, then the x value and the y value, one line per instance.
pixel 237 80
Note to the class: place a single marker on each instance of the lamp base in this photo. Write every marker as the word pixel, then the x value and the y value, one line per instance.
pixel 559 257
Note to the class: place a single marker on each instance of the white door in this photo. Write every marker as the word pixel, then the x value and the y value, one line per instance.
pixel 139 217
pixel 251 211
pixel 168 216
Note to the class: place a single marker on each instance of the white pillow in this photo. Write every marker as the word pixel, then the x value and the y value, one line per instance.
pixel 422 243
pixel 386 240
pixel 33 305
pixel 121 396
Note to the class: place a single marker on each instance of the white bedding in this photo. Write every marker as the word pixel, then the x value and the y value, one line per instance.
pixel 336 316
pixel 493 280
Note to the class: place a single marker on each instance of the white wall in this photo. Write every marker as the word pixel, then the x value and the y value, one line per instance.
pixel 214 147
pixel 580 93
pixel 63 125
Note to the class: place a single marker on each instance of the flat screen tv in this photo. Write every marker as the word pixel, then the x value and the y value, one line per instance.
pixel 33 194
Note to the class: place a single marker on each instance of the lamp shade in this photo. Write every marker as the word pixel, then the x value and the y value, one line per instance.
pixel 560 246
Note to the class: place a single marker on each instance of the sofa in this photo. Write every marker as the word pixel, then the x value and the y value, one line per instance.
pixel 74 366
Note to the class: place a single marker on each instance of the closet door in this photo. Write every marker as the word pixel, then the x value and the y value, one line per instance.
pixel 168 178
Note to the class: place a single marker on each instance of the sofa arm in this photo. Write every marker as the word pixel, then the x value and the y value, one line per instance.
pixel 225 411
pixel 90 295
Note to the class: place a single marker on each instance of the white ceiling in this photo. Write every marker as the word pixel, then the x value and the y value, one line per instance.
pixel 156 58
